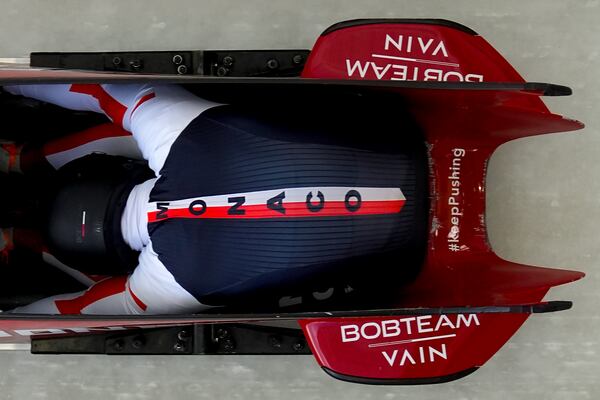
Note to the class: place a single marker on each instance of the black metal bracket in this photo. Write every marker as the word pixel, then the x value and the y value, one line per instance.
pixel 248 339
pixel 208 339
pixel 198 62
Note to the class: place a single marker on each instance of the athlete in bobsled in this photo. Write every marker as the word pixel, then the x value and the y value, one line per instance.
pixel 234 205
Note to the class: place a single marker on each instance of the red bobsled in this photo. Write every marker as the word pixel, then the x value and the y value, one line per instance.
pixel 464 303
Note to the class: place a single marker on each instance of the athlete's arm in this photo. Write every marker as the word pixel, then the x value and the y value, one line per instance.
pixel 111 296
pixel 150 289
pixel 154 114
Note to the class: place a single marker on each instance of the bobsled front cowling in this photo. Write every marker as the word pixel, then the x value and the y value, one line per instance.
pixel 462 129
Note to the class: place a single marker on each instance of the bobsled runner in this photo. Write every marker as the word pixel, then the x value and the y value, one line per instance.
pixel 434 313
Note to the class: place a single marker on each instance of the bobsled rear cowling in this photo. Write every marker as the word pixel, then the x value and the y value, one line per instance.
pixel 442 85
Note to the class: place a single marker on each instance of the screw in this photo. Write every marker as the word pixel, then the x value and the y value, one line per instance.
pixel 228 61
pixel 182 69
pixel 222 333
pixel 118 345
pixel 228 345
pixel 275 341
pixel 272 64
pixel 222 71
pixel 116 60
pixel 135 65
pixel 179 347
pixel 138 342
pixel 297 59
pixel 177 59
pixel 298 346
pixel 183 335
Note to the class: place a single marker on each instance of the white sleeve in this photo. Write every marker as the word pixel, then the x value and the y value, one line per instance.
pixel 155 287
pixel 58 94
pixel 150 289
pixel 154 114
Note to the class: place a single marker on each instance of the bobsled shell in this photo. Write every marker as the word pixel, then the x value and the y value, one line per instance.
pixel 461 267
pixel 410 50
pixel 467 100
pixel 406 49
pixel 408 349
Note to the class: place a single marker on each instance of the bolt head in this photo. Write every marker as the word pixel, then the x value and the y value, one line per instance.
pixel 298 346
pixel 118 345
pixel 222 71
pixel 181 70
pixel 135 65
pixel 222 333
pixel 297 59
pixel 183 335
pixel 228 345
pixel 177 59
pixel 179 347
pixel 272 64
pixel 275 341
pixel 138 342
pixel 228 61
